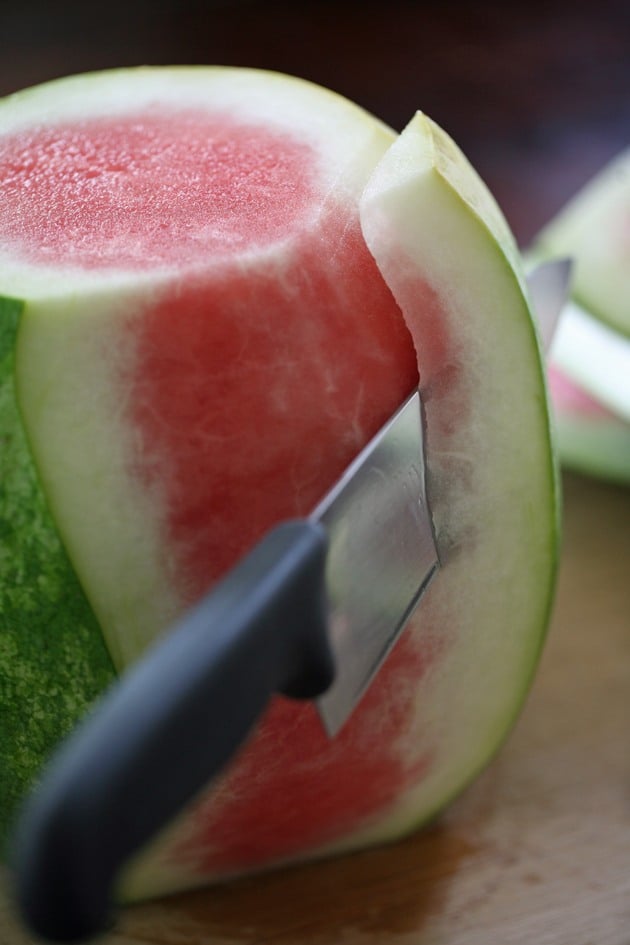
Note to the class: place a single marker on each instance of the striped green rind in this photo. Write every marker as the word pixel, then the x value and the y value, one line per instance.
pixel 52 658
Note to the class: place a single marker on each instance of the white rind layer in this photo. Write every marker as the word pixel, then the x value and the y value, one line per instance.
pixel 494 493
pixel 70 374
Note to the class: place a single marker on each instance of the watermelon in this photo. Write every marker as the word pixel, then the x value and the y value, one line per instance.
pixel 590 357
pixel 218 283
pixel 593 228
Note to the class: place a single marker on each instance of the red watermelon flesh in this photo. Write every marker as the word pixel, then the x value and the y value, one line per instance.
pixel 207 343
pixel 148 190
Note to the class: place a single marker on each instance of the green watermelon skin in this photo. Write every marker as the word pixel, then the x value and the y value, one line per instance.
pixel 53 661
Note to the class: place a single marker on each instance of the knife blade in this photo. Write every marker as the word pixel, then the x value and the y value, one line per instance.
pixel 548 284
pixel 382 555
pixel 312 611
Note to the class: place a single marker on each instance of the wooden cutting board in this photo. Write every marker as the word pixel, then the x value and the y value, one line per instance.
pixel 536 852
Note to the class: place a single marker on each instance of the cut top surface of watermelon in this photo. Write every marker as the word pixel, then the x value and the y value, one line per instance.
pixel 188 171
pixel 145 190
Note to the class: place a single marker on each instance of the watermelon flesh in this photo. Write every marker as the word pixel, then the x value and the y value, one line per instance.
pixel 228 281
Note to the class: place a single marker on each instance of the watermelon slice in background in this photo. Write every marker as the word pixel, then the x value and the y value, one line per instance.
pixel 590 357
pixel 218 283
pixel 591 439
pixel 594 229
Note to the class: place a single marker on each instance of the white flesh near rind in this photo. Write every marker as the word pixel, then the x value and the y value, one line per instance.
pixel 593 229
pixel 595 356
pixel 498 482
pixel 70 379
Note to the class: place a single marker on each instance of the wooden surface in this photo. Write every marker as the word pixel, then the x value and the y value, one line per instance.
pixel 536 852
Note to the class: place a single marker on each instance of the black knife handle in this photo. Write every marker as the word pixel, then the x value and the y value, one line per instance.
pixel 168 726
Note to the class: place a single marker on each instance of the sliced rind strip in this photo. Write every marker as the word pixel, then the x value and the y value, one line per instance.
pixel 499 580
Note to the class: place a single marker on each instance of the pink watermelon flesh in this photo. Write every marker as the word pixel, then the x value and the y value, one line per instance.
pixel 143 192
pixel 242 429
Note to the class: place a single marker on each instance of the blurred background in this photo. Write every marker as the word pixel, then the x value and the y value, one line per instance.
pixel 537 93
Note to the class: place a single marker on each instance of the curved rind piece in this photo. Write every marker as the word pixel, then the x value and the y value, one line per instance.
pixel 436 233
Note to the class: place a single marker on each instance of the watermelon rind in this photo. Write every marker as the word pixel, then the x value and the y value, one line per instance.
pixel 469 257
pixel 53 661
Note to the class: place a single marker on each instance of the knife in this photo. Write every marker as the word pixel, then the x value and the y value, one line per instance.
pixel 548 284
pixel 311 612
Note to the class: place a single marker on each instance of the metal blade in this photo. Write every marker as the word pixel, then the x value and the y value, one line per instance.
pixel 382 556
pixel 548 285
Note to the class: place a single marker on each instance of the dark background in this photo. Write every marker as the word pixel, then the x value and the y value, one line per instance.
pixel 537 94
